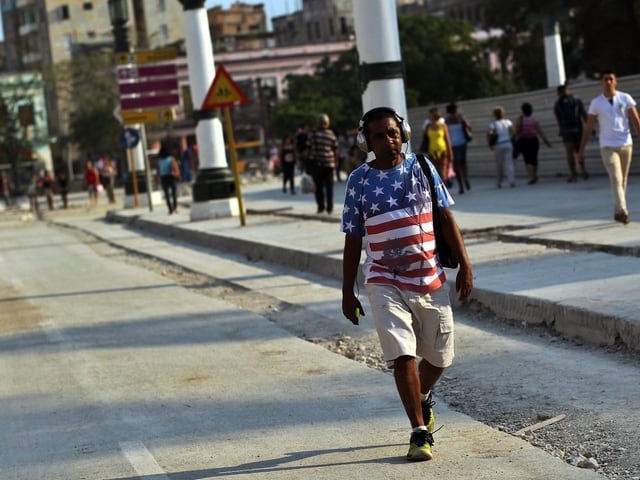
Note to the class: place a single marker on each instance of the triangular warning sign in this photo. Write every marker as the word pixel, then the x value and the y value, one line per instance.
pixel 223 92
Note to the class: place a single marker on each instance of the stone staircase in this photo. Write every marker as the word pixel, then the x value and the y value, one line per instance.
pixel 552 161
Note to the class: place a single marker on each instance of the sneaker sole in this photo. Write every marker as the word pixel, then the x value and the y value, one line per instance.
pixel 420 456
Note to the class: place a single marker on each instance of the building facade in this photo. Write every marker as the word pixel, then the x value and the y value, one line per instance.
pixel 319 21
pixel 240 27
pixel 41 34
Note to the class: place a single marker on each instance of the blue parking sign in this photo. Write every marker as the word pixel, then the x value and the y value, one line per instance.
pixel 130 137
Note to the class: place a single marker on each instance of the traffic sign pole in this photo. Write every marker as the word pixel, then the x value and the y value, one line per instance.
pixel 234 163
pixel 134 177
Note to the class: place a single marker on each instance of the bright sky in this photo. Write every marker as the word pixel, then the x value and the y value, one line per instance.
pixel 273 8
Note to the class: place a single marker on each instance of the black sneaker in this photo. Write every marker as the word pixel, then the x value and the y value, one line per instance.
pixel 427 413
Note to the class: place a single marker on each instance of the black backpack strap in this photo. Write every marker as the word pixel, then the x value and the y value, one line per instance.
pixel 432 187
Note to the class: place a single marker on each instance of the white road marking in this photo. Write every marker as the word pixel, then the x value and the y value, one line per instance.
pixel 142 461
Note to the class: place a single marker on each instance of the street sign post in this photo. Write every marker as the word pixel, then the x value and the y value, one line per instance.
pixel 148 88
pixel 224 92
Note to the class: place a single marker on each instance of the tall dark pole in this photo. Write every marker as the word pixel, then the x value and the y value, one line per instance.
pixel 136 181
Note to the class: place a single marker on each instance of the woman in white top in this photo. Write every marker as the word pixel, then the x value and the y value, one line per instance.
pixel 502 130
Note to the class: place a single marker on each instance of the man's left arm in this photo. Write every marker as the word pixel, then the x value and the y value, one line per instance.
pixel 635 120
pixel 451 232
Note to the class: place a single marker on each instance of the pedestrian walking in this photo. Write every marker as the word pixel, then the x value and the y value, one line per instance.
pixel 6 189
pixel 92 182
pixel 108 178
pixel 288 163
pixel 437 144
pixel 613 110
pixel 570 115
pixel 169 171
pixel 320 158
pixel 63 188
pixel 32 193
pixel 460 135
pixel 389 202
pixel 46 187
pixel 528 130
pixel 499 139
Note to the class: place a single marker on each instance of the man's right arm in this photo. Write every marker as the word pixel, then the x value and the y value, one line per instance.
pixel 350 264
pixel 586 133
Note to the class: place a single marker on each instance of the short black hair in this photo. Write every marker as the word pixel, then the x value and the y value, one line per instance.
pixel 562 88
pixel 527 108
pixel 376 114
pixel 451 108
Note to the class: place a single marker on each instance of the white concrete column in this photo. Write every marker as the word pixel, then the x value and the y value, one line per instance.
pixel 201 73
pixel 378 42
pixel 554 60
pixel 214 188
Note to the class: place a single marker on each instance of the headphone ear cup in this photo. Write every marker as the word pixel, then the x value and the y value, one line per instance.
pixel 405 128
pixel 361 141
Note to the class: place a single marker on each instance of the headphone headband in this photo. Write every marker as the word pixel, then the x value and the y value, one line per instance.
pixel 361 138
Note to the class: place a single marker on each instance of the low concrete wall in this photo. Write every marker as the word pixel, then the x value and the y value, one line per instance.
pixel 552 160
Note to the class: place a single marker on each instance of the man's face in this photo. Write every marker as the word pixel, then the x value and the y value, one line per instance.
pixel 385 138
pixel 609 82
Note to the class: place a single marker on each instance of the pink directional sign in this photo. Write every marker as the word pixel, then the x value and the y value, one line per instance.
pixel 162 85
pixel 163 100
pixel 133 73
pixel 148 86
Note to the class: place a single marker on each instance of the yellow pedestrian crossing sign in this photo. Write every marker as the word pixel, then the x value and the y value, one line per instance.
pixel 224 92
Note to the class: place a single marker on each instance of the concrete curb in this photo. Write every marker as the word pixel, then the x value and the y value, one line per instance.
pixel 568 320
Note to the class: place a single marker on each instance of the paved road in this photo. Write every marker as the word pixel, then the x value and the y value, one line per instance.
pixel 116 373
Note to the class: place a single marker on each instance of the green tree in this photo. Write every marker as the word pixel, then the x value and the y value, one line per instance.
pixel 93 126
pixel 443 62
pixel 334 90
pixel 596 35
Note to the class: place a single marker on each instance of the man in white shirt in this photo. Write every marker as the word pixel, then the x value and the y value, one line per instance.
pixel 613 110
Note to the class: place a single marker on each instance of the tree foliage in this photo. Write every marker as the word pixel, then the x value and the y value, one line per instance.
pixel 87 89
pixel 596 35
pixel 443 62
pixel 334 90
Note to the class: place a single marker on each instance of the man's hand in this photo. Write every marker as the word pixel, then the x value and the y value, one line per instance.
pixel 352 309
pixel 464 282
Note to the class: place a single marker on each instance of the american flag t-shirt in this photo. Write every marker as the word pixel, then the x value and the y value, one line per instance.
pixel 392 209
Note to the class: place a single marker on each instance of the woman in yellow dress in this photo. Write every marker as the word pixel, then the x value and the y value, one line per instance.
pixel 436 144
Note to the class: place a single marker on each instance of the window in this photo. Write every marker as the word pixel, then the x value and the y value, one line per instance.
pixel 331 29
pixel 164 32
pixel 87 6
pixel 162 6
pixel 61 13
pixel 91 34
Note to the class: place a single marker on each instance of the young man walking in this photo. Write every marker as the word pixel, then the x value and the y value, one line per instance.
pixel 388 202
pixel 613 110
pixel 570 115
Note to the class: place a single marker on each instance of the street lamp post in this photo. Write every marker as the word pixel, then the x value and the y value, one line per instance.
pixel 119 15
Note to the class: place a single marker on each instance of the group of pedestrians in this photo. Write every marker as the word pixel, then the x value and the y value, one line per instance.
pixel 43 183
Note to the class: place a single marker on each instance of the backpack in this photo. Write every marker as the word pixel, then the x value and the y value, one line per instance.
pixel 568 109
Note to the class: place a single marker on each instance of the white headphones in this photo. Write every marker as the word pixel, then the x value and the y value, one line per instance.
pixel 361 137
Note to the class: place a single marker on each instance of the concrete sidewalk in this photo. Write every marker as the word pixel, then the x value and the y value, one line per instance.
pixel 548 254
pixel 288 394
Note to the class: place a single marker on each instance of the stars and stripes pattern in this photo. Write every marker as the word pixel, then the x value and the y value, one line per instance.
pixel 392 209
